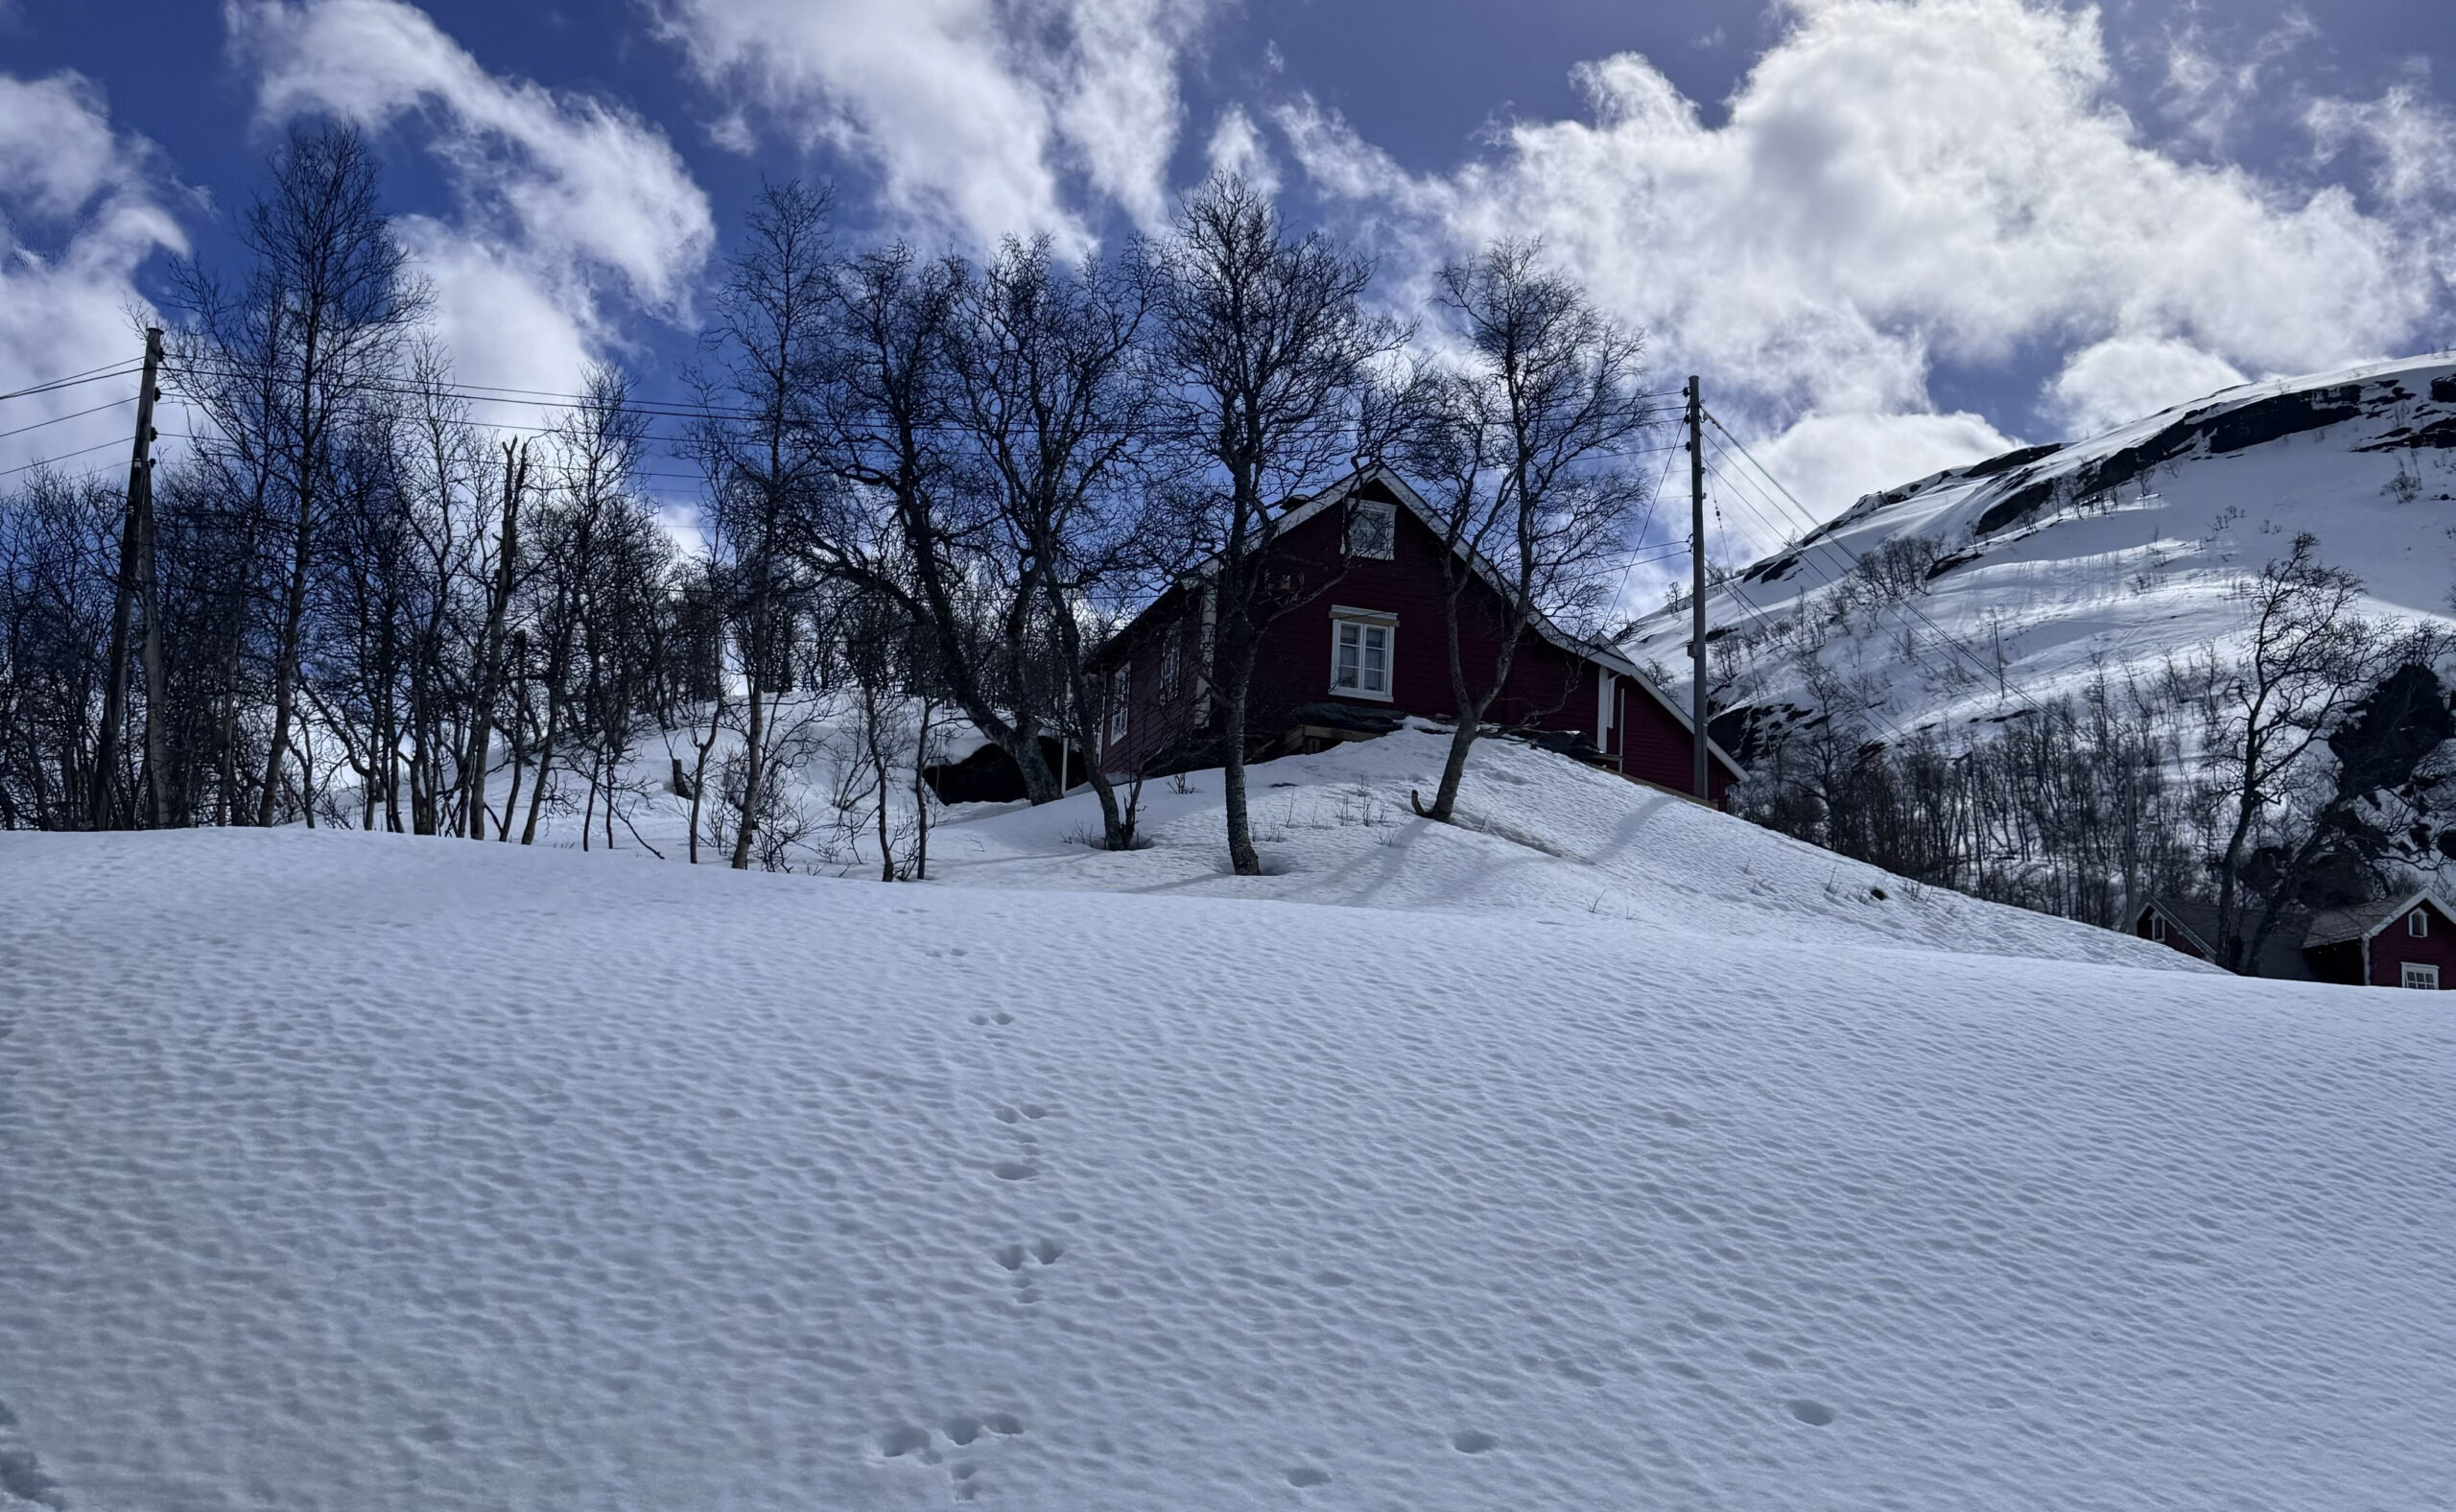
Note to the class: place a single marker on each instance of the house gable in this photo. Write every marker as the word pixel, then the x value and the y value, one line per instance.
pixel 2393 955
pixel 2372 944
pixel 1368 634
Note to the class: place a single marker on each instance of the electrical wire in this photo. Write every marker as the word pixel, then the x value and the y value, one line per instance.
pixel 92 375
pixel 45 462
pixel 1952 642
pixel 60 418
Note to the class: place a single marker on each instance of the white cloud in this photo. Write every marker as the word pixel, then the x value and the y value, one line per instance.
pixel 1900 182
pixel 81 207
pixel 570 208
pixel 1830 461
pixel 1237 147
pixel 2409 138
pixel 978 113
pixel 2128 377
pixel 2211 97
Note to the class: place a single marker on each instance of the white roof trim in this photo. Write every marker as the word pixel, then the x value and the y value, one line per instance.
pixel 2401 910
pixel 2159 908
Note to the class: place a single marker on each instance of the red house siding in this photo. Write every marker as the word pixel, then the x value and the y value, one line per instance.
pixel 2392 946
pixel 1548 688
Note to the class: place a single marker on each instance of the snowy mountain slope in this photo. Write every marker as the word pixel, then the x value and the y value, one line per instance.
pixel 347 1171
pixel 2028 573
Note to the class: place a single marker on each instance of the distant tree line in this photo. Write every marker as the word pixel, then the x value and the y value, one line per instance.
pixel 928 488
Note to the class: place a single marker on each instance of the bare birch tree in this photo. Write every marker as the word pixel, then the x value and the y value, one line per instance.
pixel 2310 657
pixel 1268 355
pixel 1524 451
pixel 315 329
pixel 756 442
pixel 1055 401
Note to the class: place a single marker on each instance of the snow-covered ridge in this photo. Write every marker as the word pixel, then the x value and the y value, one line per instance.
pixel 2035 570
pixel 1541 838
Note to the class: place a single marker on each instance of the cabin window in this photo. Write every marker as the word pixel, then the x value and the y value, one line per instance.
pixel 1373 530
pixel 2158 928
pixel 2418 923
pixel 1360 657
pixel 1121 694
pixel 1169 669
pixel 2425 977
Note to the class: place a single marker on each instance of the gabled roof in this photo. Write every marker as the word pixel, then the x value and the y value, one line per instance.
pixel 2190 929
pixel 2280 958
pixel 2342 925
pixel 1605 656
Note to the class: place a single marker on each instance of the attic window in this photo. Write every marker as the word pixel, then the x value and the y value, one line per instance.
pixel 2158 928
pixel 1373 530
pixel 2418 923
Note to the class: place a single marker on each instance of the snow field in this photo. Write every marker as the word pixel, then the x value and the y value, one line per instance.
pixel 361 1171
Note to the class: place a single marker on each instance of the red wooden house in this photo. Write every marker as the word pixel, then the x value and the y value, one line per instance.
pixel 1363 646
pixel 2394 943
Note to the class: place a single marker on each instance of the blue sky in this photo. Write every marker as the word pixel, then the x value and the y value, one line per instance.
pixel 1891 234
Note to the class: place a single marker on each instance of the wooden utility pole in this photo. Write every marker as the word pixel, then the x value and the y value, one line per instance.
pixel 132 547
pixel 149 601
pixel 1697 581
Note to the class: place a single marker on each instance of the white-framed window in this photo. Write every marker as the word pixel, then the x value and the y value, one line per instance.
pixel 2158 928
pixel 1120 696
pixel 2417 975
pixel 2418 923
pixel 1362 641
pixel 1373 530
pixel 1168 667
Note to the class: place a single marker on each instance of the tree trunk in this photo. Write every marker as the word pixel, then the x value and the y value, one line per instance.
pixel 921 799
pixel 545 765
pixel 2229 921
pixel 753 773
pixel 490 644
pixel 1242 856
pixel 1470 715
pixel 285 665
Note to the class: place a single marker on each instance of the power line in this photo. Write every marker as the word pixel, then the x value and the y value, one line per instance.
pixel 1759 614
pixel 1654 499
pixel 60 418
pixel 1952 644
pixel 645 409
pixel 96 375
pixel 45 462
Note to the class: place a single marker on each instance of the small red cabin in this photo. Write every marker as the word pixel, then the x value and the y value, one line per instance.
pixel 2394 943
pixel 1363 644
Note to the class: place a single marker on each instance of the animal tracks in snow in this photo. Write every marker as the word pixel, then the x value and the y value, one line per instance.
pixel 1417 1202
pixel 1046 1251
pixel 962 1431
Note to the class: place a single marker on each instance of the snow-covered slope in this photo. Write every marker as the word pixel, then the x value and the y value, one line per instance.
pixel 370 1172
pixel 2028 573
pixel 1546 840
